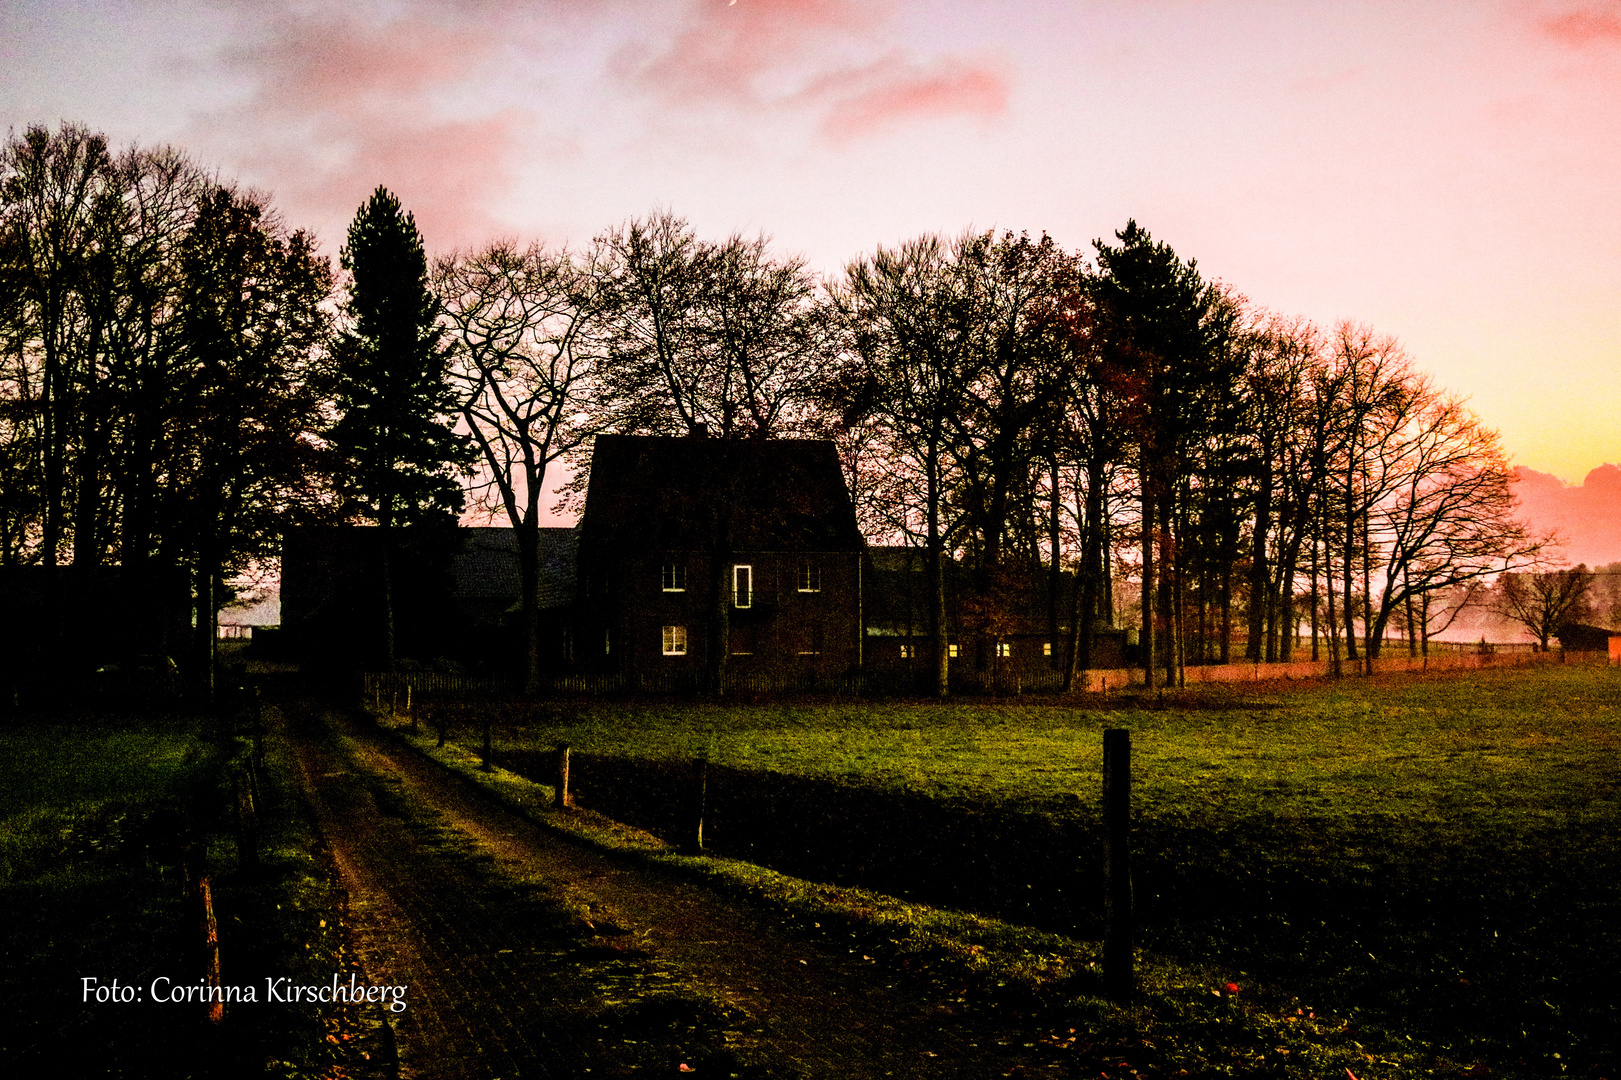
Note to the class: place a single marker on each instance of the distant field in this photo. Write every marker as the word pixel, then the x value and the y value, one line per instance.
pixel 1442 855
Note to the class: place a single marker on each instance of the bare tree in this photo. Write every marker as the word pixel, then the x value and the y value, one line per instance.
pixel 1544 600
pixel 902 311
pixel 525 364
pixel 720 339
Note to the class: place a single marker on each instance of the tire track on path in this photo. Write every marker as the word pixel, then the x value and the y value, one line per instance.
pixel 505 999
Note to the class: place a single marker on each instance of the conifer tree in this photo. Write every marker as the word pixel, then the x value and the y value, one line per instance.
pixel 397 409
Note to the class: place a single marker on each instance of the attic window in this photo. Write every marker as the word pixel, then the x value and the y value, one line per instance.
pixel 675 577
pixel 742 586
pixel 675 641
pixel 810 577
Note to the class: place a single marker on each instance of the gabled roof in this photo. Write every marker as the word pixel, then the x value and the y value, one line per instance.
pixel 683 493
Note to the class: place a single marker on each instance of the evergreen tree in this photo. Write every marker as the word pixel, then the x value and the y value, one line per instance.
pixel 397 409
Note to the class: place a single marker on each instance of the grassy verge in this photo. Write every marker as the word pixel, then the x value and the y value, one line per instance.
pixel 1188 1019
pixel 93 814
pixel 1436 857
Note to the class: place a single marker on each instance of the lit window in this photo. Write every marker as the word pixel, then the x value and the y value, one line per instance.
pixel 906 652
pixel 1046 648
pixel 742 586
pixel 607 642
pixel 675 577
pixel 810 577
pixel 1003 649
pixel 951 650
pixel 675 641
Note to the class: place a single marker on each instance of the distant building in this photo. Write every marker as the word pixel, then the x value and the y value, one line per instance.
pixel 456 595
pixel 1579 637
pixel 689 545
pixel 1009 635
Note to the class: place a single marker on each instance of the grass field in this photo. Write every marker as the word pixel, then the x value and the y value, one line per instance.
pixel 93 810
pixel 1436 858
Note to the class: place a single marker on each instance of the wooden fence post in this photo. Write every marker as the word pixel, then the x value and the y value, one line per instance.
pixel 700 794
pixel 247 823
pixel 563 799
pixel 1119 976
pixel 200 901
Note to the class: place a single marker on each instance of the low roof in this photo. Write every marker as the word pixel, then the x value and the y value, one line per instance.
pixel 683 493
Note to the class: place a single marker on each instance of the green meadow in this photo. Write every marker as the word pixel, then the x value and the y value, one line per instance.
pixel 1437 860
pixel 94 809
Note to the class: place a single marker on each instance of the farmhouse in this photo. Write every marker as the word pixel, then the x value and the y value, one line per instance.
pixel 693 546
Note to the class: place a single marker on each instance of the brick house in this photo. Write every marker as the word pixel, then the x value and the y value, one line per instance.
pixel 692 545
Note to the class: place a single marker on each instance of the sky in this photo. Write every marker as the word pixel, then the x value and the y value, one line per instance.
pixel 1446 173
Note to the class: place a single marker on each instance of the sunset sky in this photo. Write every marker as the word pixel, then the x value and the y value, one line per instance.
pixel 1449 173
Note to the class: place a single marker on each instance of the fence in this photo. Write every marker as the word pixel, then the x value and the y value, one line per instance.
pixel 399 687
pixel 442 686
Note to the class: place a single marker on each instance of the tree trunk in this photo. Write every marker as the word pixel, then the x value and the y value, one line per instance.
pixel 1146 644
pixel 528 533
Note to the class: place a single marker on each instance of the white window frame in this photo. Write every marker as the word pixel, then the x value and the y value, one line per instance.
pixel 742 585
pixel 809 578
pixel 675 641
pixel 673 577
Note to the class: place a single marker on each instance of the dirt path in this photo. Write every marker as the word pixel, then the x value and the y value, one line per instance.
pixel 529 955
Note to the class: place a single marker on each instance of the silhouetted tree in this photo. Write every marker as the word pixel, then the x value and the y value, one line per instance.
pixel 242 453
pixel 526 364
pixel 396 407
pixel 1544 600
pixel 1170 328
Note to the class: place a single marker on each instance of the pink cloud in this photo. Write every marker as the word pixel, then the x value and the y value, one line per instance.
pixel 1587 515
pixel 949 86
pixel 343 103
pixel 726 48
pixel 1594 25
pixel 805 56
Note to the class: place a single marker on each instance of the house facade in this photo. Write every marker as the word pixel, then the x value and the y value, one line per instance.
pixel 694 547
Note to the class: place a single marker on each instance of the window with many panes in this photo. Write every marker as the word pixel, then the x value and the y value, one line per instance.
pixel 675 641
pixel 742 586
pixel 675 577
pixel 1003 649
pixel 906 652
pixel 810 577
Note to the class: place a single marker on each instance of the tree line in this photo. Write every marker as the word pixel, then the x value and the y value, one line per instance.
pixel 183 376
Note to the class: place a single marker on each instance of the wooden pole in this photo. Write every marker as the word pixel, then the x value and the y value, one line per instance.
pixel 700 775
pixel 200 899
pixel 563 799
pixel 247 824
pixel 1119 976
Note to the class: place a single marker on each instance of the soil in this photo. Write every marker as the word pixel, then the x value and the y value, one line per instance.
pixel 530 954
